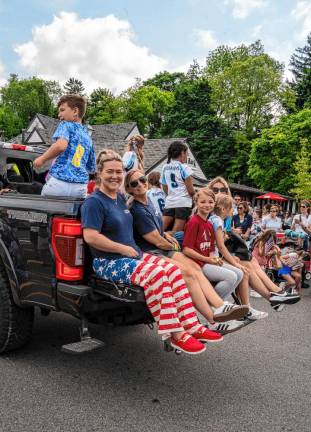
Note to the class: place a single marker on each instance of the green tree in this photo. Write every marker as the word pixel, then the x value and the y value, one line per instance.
pixel 274 153
pixel 245 86
pixel 300 64
pixel 104 107
pixel 302 167
pixel 26 97
pixel 148 106
pixel 166 80
pixel 10 124
pixel 192 117
pixel 74 86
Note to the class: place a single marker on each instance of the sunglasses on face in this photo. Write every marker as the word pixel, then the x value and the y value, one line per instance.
pixel 220 190
pixel 240 208
pixel 303 206
pixel 135 183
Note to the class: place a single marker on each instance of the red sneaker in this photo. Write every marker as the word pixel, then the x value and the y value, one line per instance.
pixel 206 335
pixel 188 344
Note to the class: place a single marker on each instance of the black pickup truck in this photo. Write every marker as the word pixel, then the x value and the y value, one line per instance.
pixel 44 262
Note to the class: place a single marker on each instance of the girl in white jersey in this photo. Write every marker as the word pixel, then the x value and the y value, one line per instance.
pixel 155 192
pixel 177 183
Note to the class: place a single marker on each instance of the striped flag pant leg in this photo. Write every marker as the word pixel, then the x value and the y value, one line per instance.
pixel 186 312
pixel 159 298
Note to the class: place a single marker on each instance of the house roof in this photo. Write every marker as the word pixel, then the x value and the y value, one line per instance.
pixel 100 133
pixel 155 149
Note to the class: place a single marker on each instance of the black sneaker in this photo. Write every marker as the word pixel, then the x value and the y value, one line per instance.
pixel 278 307
pixel 283 297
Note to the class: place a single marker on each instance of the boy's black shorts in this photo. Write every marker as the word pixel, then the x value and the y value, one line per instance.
pixel 182 213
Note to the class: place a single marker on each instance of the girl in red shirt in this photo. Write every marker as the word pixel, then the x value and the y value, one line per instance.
pixel 199 245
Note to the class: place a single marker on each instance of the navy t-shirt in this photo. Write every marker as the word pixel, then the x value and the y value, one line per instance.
pixel 247 222
pixel 145 220
pixel 111 218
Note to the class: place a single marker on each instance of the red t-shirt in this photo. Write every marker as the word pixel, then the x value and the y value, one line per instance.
pixel 199 236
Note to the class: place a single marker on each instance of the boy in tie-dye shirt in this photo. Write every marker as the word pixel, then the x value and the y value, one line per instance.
pixel 73 150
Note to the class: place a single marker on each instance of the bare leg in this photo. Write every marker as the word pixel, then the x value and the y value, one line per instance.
pixel 178 225
pixel 167 221
pixel 272 287
pixel 289 279
pixel 255 282
pixel 296 274
pixel 242 290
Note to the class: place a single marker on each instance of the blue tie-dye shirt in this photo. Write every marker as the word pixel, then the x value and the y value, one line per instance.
pixel 78 160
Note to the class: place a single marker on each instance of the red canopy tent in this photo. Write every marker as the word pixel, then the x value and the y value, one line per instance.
pixel 272 196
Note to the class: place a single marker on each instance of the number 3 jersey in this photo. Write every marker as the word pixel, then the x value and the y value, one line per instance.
pixel 78 160
pixel 157 197
pixel 174 175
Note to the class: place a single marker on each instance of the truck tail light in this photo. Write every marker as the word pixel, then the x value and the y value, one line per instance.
pixel 67 243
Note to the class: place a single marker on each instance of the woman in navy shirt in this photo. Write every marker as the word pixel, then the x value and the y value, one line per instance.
pixel 108 229
pixel 242 221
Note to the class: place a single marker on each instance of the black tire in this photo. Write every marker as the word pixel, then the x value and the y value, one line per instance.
pixel 15 323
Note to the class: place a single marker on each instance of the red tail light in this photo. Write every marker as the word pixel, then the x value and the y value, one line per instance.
pixel 67 242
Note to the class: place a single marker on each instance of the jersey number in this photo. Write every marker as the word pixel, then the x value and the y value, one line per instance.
pixel 161 203
pixel 173 181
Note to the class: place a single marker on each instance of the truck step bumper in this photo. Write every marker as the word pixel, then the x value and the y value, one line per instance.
pixel 85 345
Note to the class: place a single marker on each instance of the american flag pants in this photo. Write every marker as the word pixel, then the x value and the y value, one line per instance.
pixel 166 294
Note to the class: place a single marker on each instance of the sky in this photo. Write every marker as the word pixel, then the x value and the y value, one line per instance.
pixel 109 43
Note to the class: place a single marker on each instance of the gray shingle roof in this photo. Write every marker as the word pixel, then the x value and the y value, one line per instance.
pixel 155 149
pixel 118 131
pixel 100 133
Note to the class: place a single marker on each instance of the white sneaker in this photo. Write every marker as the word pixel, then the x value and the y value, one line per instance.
pixel 226 327
pixel 254 294
pixel 255 314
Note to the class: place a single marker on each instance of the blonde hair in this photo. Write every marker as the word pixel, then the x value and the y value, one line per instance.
pixel 154 179
pixel 136 144
pixel 219 179
pixel 105 152
pixel 223 201
pixel 204 191
pixel 103 156
pixel 107 158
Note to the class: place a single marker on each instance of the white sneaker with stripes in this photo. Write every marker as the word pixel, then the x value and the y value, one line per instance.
pixel 226 327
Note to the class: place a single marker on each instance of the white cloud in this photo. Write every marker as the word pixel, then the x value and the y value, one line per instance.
pixel 242 8
pixel 3 77
pixel 257 31
pixel 99 51
pixel 205 39
pixel 302 13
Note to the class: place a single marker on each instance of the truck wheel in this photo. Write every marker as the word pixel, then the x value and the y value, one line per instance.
pixel 15 323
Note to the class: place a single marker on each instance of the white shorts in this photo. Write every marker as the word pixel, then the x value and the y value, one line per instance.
pixel 55 187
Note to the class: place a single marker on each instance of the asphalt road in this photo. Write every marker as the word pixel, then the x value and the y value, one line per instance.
pixel 258 379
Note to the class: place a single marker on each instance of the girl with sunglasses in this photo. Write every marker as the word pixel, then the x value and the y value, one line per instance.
pixel 149 235
pixel 108 230
pixel 177 184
